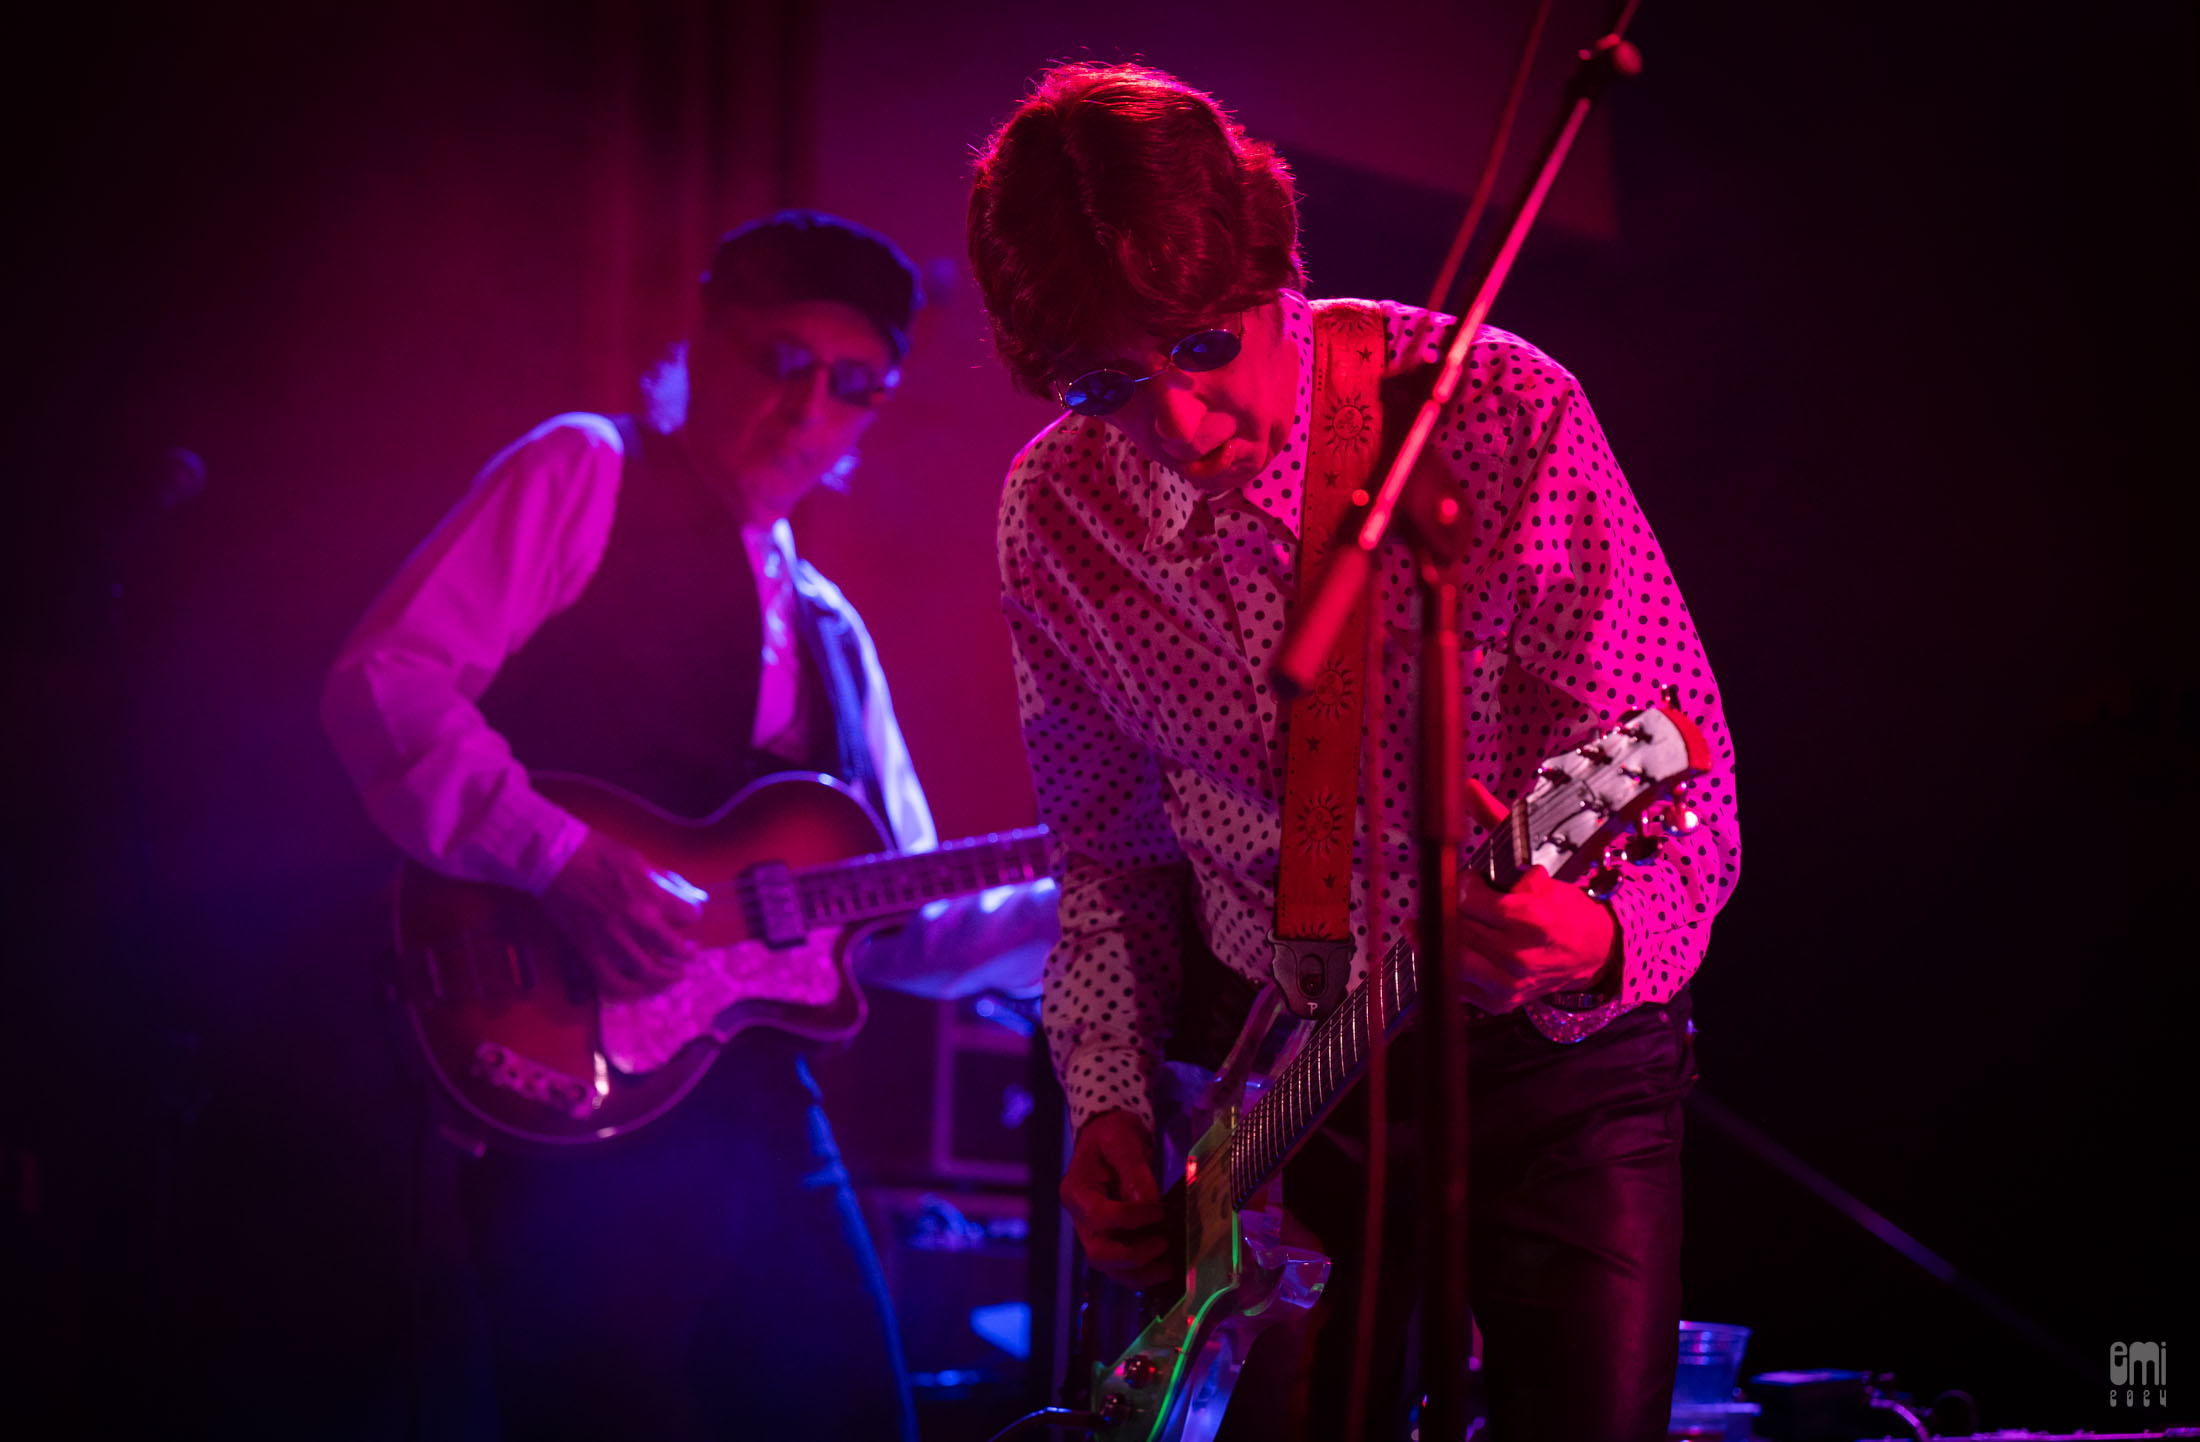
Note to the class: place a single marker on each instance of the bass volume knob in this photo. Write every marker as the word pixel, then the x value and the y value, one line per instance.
pixel 1140 1370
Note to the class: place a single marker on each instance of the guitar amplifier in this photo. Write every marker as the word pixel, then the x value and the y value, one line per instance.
pixel 937 1093
pixel 955 1265
pixel 981 1091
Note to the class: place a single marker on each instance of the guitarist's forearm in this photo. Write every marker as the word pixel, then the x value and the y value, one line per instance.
pixel 1112 985
pixel 461 806
pixel 399 706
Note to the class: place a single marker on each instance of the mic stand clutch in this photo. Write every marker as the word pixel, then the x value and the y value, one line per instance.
pixel 1437 527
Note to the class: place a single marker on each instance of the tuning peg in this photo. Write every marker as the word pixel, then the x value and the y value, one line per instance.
pixel 1667 819
pixel 1602 883
pixel 1641 850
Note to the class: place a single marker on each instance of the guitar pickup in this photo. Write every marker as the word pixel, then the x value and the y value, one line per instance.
pixel 523 1076
pixel 773 905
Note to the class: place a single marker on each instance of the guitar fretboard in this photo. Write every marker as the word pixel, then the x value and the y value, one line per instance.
pixel 894 882
pixel 1301 1093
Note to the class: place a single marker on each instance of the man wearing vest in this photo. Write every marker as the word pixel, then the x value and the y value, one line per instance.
pixel 621 598
pixel 1139 257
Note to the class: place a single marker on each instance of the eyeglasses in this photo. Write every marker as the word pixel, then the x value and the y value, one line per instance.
pixel 1103 392
pixel 850 380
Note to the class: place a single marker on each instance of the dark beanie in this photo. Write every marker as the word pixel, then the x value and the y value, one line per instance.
pixel 800 255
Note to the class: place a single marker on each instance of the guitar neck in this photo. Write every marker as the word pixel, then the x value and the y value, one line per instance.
pixel 891 883
pixel 1301 1093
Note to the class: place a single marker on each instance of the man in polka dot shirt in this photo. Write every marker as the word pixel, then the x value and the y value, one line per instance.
pixel 1138 255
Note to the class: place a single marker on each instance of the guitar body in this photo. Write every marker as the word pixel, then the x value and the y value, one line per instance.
pixel 505 1009
pixel 1175 1381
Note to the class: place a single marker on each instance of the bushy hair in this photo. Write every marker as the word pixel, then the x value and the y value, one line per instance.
pixel 1119 203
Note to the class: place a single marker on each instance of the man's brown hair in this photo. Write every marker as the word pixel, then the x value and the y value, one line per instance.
pixel 1118 203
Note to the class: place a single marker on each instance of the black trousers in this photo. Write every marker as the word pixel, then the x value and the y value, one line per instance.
pixel 1574 1213
pixel 708 1277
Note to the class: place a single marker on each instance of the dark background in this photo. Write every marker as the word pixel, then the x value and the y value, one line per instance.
pixel 1889 314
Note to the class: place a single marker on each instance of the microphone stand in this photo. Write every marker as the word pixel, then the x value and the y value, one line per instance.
pixel 1435 531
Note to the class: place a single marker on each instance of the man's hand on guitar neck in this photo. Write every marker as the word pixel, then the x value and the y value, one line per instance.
pixel 611 905
pixel 1542 936
pixel 1115 1201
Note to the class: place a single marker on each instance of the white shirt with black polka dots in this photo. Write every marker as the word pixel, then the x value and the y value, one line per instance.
pixel 1145 618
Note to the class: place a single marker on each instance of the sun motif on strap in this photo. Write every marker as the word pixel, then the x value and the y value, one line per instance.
pixel 1332 692
pixel 1350 424
pixel 1322 825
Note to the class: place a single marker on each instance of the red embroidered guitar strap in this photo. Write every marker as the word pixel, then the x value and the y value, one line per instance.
pixel 1313 933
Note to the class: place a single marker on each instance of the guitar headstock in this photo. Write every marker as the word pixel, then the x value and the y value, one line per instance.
pixel 1606 803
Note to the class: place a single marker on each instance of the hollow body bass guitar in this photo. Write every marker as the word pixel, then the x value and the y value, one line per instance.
pixel 795 868
pixel 1591 811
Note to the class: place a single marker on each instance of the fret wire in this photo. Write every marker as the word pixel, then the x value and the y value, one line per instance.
pixel 1310 1079
pixel 1302 1094
pixel 1308 1087
pixel 1310 1102
pixel 1317 1078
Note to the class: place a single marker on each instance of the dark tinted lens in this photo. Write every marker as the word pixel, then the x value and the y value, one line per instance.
pixel 1096 393
pixel 1206 351
pixel 785 359
pixel 858 384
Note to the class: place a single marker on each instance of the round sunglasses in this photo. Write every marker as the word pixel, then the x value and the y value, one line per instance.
pixel 1103 392
pixel 850 380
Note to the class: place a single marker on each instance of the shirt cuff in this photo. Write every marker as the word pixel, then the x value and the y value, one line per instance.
pixel 533 838
pixel 1108 1078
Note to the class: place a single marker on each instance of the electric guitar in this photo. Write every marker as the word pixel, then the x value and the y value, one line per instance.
pixel 794 868
pixel 1591 811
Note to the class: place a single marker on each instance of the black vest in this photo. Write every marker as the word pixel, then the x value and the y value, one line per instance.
pixel 649 681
